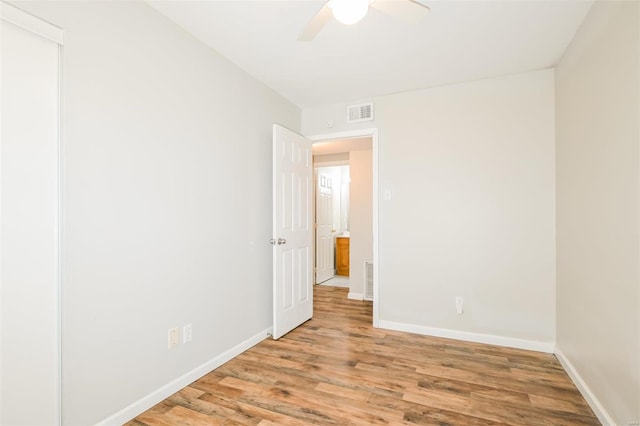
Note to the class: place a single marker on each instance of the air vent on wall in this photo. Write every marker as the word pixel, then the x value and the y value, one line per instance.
pixel 368 280
pixel 360 112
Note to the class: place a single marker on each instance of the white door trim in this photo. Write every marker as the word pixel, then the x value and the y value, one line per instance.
pixel 373 133
pixel 33 24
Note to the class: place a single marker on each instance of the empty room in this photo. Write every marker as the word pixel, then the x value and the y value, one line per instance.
pixel 168 246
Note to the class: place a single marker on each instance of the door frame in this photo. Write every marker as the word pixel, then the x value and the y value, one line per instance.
pixel 41 28
pixel 373 134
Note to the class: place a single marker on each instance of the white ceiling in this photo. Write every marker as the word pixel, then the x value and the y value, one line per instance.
pixel 458 41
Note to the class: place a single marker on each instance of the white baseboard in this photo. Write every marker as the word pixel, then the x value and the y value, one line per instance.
pixel 355 296
pixel 160 394
pixel 586 392
pixel 490 339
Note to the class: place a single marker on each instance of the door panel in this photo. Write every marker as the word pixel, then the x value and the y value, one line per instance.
pixel 292 232
pixel 324 229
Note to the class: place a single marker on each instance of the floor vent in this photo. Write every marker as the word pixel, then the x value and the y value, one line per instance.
pixel 368 280
pixel 360 112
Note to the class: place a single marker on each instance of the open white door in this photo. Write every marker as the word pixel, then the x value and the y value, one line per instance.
pixel 292 231
pixel 325 265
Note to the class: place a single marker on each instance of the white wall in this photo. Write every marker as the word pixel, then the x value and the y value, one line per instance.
pixel 331 159
pixel 168 198
pixel 360 218
pixel 345 194
pixel 598 110
pixel 323 119
pixel 471 172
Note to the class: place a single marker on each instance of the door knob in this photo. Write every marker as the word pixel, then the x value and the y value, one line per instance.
pixel 279 241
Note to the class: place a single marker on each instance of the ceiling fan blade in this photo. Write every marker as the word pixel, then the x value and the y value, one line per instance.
pixel 316 24
pixel 407 10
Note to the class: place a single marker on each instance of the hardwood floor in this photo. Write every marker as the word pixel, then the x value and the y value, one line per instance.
pixel 338 369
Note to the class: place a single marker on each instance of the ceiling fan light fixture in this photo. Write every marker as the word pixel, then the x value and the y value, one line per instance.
pixel 349 11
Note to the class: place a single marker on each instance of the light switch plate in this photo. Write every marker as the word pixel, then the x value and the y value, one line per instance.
pixel 459 304
pixel 187 333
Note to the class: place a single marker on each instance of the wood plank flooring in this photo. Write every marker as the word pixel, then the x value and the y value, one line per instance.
pixel 337 369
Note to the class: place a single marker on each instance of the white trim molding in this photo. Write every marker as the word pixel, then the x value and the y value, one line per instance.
pixel 30 23
pixel 41 28
pixel 598 409
pixel 490 339
pixel 355 296
pixel 162 393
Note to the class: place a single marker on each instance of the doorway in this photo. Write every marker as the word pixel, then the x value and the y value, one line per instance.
pixel 357 149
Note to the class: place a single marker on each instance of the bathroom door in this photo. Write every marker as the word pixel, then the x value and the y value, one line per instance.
pixel 292 231
pixel 325 259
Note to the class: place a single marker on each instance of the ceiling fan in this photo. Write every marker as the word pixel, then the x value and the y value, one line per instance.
pixel 351 11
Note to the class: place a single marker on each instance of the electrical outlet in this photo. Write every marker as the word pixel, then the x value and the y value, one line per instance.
pixel 459 303
pixel 174 337
pixel 187 333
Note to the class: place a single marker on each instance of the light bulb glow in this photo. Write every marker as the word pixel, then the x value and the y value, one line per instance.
pixel 349 11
